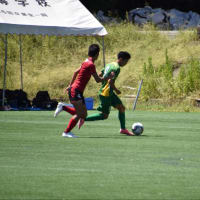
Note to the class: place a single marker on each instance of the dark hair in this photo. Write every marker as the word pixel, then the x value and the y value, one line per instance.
pixel 93 50
pixel 124 55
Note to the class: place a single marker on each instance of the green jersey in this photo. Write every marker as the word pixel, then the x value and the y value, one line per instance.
pixel 105 89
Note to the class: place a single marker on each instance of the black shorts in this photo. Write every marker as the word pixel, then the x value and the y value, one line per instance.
pixel 75 95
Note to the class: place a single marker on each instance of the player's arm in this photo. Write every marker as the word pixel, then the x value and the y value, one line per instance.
pixel 112 85
pixel 74 76
pixel 102 78
pixel 73 79
pixel 101 74
pixel 97 78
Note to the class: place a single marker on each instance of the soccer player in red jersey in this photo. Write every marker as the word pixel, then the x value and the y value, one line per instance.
pixel 76 88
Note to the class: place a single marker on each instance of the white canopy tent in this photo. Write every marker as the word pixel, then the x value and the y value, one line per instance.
pixel 46 17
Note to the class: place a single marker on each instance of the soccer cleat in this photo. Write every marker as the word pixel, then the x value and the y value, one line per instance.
pixel 58 109
pixel 69 135
pixel 126 132
pixel 99 108
pixel 80 123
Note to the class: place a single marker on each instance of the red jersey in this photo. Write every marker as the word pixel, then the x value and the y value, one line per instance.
pixel 87 69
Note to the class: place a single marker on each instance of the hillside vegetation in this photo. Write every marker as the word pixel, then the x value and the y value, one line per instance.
pixel 170 67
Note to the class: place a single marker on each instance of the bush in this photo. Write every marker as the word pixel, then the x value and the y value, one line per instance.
pixel 49 61
pixel 160 83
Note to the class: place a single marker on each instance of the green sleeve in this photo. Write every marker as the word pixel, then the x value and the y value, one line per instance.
pixel 112 67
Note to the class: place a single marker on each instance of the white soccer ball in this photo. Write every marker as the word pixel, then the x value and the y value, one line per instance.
pixel 137 128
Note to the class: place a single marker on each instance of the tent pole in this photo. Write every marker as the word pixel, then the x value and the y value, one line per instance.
pixel 5 70
pixel 104 58
pixel 21 66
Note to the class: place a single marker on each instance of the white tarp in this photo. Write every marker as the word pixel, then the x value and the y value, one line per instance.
pixel 48 17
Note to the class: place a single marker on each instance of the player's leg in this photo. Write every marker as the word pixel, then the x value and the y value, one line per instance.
pixel 69 109
pixel 63 106
pixel 77 100
pixel 117 103
pixel 104 109
pixel 81 112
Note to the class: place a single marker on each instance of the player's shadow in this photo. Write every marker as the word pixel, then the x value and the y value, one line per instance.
pixel 112 137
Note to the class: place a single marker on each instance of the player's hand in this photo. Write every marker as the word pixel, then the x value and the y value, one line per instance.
pixel 66 89
pixel 112 74
pixel 118 91
pixel 100 74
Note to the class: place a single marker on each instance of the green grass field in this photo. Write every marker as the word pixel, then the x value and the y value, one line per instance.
pixel 37 163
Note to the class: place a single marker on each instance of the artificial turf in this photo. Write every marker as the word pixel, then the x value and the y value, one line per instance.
pixel 37 163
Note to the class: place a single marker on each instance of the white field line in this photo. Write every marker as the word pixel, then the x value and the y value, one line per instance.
pixel 30 122
pixel 52 168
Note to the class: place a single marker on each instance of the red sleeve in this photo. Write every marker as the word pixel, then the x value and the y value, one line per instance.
pixel 93 69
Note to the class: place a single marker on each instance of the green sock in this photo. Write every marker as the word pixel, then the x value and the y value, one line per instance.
pixel 94 117
pixel 121 117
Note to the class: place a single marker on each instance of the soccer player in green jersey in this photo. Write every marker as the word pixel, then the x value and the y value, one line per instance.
pixel 108 94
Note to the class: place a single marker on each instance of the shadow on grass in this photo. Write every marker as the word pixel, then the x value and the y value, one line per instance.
pixel 113 137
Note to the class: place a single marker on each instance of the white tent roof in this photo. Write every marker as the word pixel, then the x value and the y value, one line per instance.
pixel 48 17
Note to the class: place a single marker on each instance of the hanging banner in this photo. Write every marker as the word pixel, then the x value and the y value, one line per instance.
pixel 52 17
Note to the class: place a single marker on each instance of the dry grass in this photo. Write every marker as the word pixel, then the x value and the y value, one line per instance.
pixel 50 61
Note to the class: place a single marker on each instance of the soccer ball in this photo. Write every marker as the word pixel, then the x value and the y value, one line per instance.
pixel 137 128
